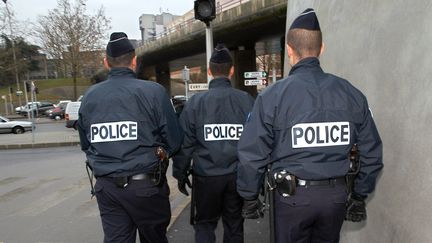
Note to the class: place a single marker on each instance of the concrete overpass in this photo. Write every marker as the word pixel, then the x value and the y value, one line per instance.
pixel 240 28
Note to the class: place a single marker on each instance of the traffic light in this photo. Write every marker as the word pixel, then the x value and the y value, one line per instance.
pixel 205 10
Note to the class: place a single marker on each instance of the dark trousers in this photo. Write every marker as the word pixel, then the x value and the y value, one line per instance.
pixel 313 215
pixel 141 205
pixel 214 197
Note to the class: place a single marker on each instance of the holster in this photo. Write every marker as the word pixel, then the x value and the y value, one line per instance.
pixel 162 165
pixel 285 183
pixel 354 158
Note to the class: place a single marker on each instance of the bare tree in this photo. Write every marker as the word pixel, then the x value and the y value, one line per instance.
pixel 68 30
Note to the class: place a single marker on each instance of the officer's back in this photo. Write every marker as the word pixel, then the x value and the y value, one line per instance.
pixel 213 123
pixel 127 129
pixel 222 104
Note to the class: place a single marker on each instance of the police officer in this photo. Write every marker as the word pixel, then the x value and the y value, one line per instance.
pixel 122 123
pixel 213 123
pixel 305 126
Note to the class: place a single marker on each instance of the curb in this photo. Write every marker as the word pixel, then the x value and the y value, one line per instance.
pixel 37 145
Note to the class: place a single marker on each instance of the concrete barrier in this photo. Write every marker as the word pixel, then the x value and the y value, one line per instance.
pixel 385 49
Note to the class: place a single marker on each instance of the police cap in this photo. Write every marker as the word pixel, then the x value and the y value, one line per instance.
pixel 118 45
pixel 221 54
pixel 306 20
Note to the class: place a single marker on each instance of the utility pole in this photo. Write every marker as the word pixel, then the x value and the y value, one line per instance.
pixel 209 46
pixel 186 79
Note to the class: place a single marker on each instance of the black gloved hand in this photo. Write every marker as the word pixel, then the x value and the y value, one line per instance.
pixel 181 184
pixel 252 209
pixel 355 210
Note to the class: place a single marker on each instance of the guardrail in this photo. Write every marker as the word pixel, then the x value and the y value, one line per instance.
pixel 219 9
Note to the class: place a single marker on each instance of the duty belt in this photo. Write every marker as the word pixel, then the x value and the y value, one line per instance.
pixel 325 182
pixel 123 181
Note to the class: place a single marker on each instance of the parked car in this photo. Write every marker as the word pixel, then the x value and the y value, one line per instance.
pixel 178 103
pixel 26 106
pixel 62 103
pixel 38 109
pixel 71 113
pixel 17 127
pixel 58 112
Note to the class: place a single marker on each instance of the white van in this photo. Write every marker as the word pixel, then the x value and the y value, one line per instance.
pixel 71 113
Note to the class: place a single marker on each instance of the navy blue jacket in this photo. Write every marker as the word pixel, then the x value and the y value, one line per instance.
pixel 212 122
pixel 307 124
pixel 122 121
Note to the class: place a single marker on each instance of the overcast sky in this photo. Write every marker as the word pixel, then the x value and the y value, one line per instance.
pixel 124 14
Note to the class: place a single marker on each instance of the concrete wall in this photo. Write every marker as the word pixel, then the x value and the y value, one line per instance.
pixel 385 48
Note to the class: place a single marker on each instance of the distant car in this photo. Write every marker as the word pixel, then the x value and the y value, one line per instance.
pixel 27 106
pixel 71 113
pixel 58 112
pixel 62 103
pixel 178 103
pixel 38 109
pixel 17 127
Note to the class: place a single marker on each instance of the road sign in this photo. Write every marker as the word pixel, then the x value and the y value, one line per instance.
pixel 254 82
pixel 198 86
pixel 19 92
pixel 260 74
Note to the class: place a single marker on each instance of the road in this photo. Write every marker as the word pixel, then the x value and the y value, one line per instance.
pixel 47 131
pixel 45 197
pixel 52 126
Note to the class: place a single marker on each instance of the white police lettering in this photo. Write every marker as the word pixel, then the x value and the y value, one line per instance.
pixel 113 131
pixel 320 134
pixel 216 132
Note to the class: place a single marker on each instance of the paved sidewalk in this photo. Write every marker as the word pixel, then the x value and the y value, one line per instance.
pixel 179 231
pixel 255 230
pixel 39 140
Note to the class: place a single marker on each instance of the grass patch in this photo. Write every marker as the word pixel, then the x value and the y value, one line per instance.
pixel 51 90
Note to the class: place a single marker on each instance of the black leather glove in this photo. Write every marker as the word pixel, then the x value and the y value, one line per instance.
pixel 252 209
pixel 355 210
pixel 181 184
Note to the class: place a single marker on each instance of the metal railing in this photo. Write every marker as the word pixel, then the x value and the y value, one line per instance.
pixel 177 27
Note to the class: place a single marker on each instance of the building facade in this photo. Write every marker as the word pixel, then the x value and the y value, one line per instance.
pixel 153 25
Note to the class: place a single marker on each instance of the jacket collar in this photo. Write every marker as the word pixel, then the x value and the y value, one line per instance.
pixel 307 64
pixel 219 82
pixel 121 72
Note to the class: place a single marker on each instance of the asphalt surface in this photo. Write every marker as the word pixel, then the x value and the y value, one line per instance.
pixel 179 231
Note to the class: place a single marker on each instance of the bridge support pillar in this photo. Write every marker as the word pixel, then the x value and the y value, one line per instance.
pixel 163 76
pixel 244 61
